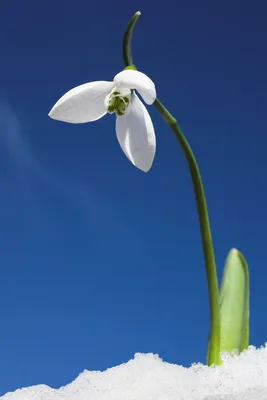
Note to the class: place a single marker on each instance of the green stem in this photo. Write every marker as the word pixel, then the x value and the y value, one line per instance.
pixel 213 356
pixel 127 40
pixel 213 353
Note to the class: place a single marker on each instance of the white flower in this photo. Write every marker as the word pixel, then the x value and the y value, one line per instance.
pixel 134 128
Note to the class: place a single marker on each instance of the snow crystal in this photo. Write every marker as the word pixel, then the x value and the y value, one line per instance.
pixel 147 377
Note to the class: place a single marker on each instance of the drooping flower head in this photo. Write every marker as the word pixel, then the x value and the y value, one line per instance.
pixel 134 128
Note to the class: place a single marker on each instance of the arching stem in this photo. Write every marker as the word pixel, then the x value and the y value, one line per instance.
pixel 213 352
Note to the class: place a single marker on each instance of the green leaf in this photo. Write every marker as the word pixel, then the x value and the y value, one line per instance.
pixel 245 335
pixel 234 304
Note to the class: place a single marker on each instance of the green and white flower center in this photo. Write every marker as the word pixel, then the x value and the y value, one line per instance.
pixel 117 101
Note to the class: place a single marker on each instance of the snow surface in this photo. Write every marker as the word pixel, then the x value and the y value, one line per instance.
pixel 147 377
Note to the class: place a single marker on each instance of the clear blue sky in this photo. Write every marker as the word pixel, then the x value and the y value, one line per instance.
pixel 97 259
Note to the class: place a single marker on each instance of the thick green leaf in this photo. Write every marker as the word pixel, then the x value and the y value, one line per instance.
pixel 234 303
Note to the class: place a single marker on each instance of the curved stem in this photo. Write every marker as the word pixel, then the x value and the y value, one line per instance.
pixel 213 353
pixel 127 39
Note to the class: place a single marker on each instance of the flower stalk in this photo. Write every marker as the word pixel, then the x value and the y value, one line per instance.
pixel 213 352
pixel 127 40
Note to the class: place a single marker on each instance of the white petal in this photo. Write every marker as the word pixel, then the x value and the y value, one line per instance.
pixel 137 80
pixel 84 103
pixel 135 133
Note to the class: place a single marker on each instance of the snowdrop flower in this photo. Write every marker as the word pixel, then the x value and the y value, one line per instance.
pixel 134 128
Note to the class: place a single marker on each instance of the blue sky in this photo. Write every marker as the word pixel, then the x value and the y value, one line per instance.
pixel 98 260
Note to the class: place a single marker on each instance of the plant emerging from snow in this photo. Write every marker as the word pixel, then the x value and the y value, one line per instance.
pixel 229 306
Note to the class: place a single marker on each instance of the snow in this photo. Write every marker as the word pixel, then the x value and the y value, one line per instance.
pixel 147 377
